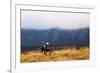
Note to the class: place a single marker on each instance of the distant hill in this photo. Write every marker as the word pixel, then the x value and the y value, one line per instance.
pixel 32 37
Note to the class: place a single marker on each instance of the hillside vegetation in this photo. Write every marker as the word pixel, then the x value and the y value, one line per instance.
pixel 56 55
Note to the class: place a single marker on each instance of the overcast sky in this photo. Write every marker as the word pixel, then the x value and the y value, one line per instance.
pixel 47 20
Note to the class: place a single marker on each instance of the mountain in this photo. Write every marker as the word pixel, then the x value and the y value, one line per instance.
pixel 55 36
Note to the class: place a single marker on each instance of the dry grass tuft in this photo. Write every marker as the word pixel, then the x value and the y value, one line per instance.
pixel 58 55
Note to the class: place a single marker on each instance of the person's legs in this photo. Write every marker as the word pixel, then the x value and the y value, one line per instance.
pixel 45 52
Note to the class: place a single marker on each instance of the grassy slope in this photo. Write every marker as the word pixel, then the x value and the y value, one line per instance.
pixel 58 55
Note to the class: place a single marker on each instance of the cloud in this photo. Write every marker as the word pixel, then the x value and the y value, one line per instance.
pixel 47 20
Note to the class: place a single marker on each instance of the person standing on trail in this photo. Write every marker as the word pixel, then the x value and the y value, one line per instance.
pixel 44 48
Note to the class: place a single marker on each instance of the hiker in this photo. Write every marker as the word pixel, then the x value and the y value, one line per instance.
pixel 45 48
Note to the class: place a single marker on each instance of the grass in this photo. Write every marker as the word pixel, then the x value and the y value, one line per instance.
pixel 57 55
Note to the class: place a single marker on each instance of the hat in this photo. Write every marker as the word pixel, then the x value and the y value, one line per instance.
pixel 47 43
